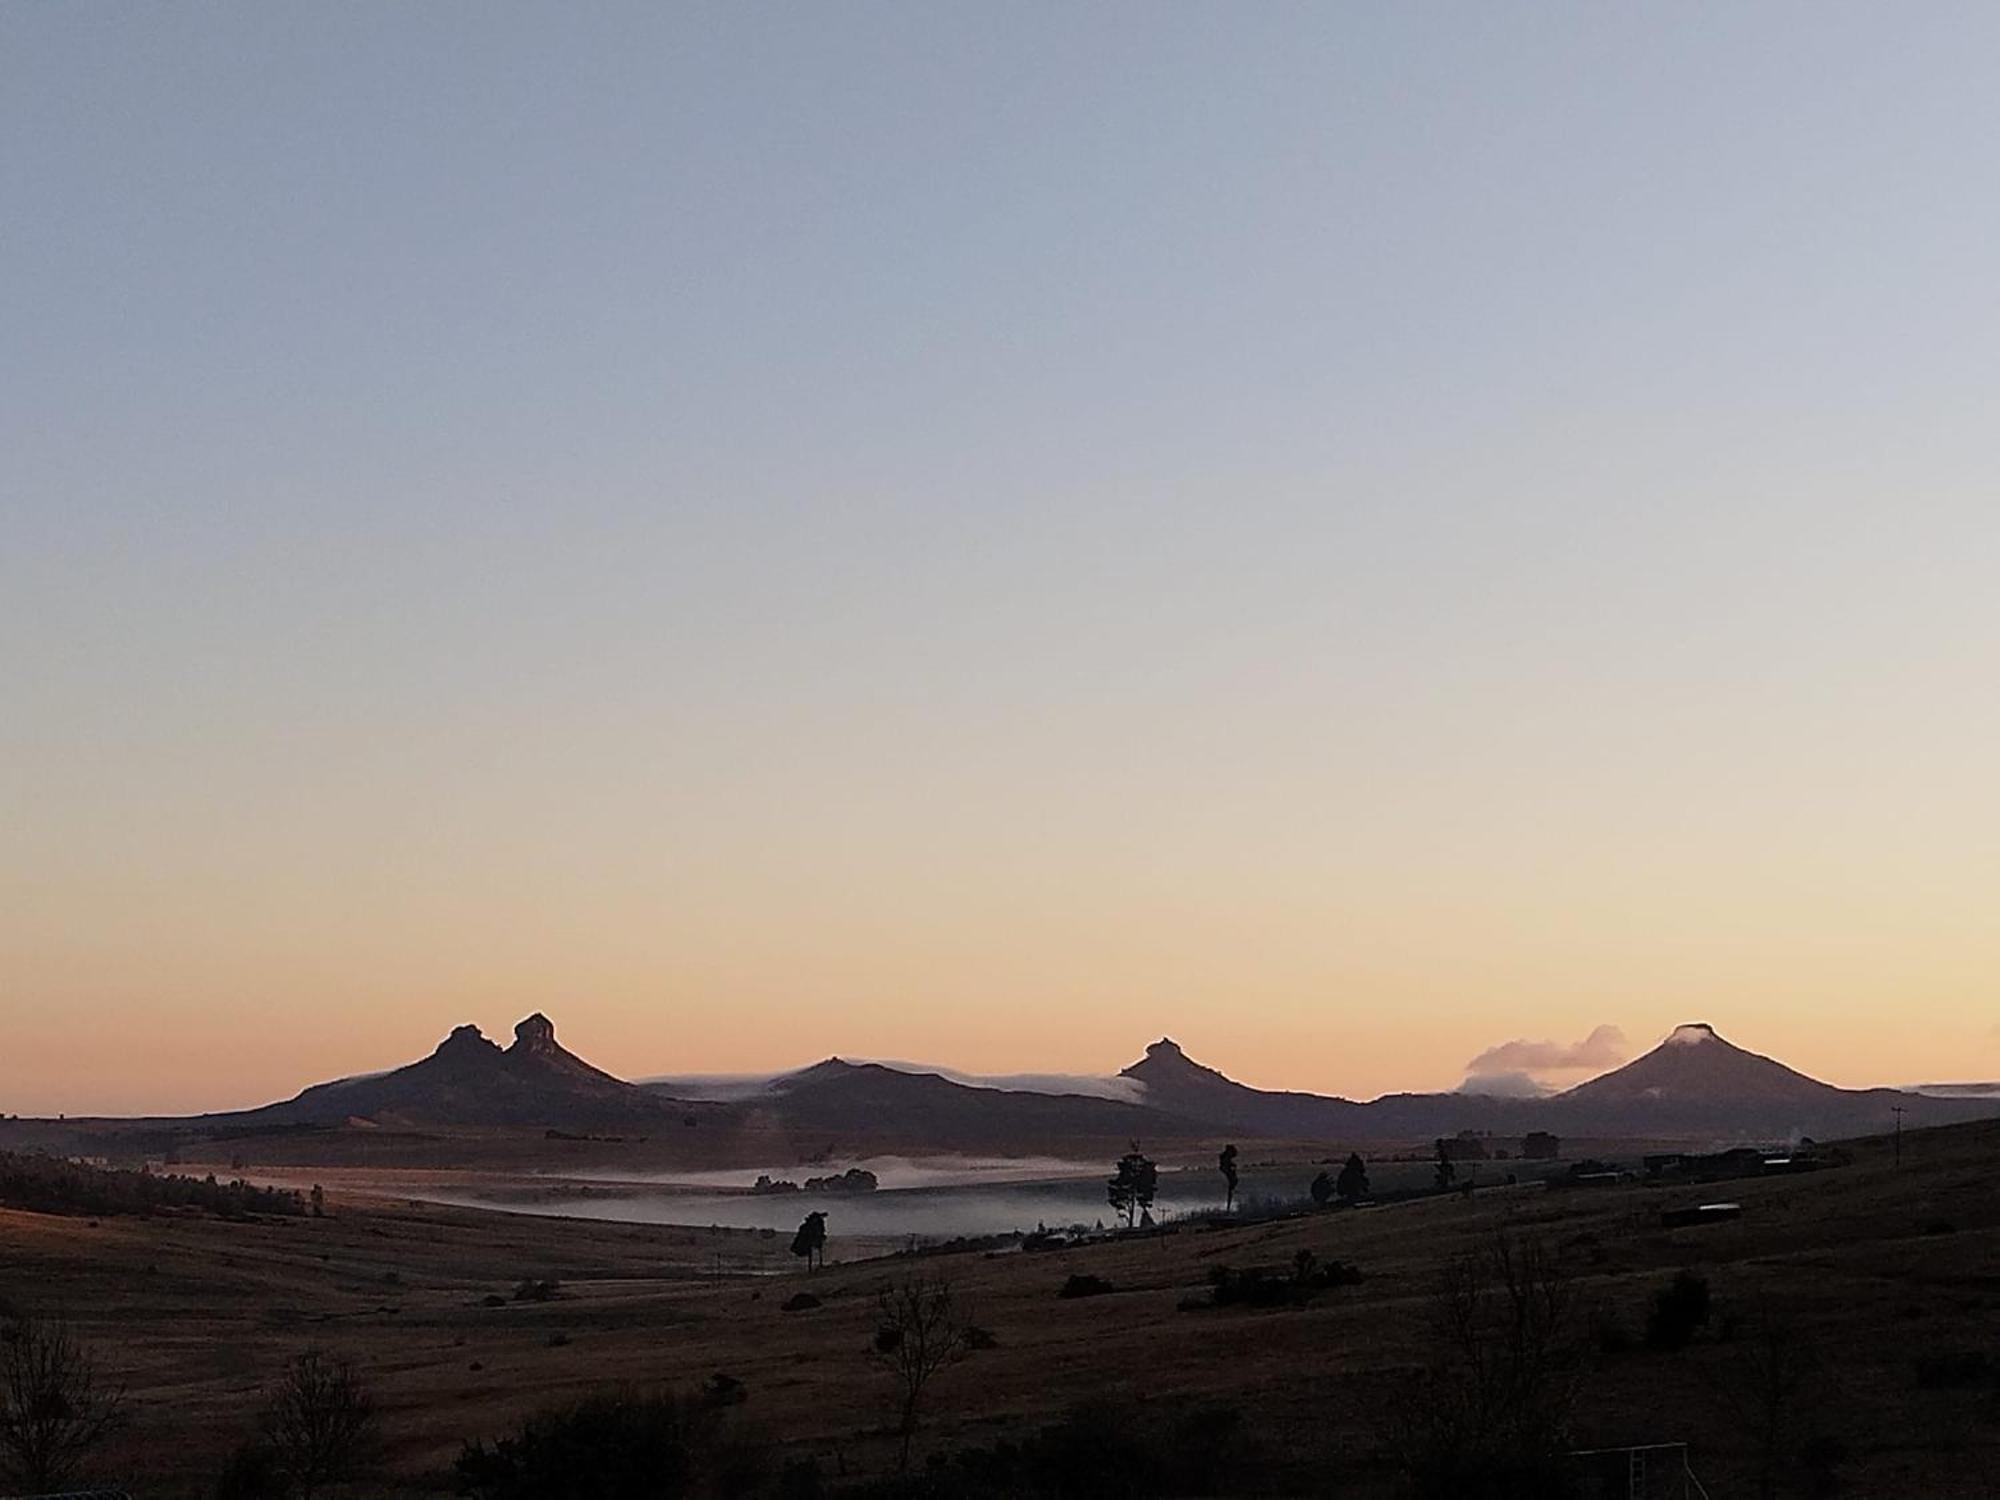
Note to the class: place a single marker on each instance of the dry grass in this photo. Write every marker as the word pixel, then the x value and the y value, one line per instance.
pixel 196 1315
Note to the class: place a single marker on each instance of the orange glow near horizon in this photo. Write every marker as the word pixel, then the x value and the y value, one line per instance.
pixel 1319 977
pixel 1345 535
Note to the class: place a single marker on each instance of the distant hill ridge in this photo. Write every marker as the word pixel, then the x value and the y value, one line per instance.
pixel 1694 1084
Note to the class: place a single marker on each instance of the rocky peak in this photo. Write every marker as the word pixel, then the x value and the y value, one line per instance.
pixel 536 1034
pixel 1165 1064
pixel 464 1041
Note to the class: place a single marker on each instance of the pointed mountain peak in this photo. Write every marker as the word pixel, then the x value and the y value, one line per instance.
pixel 1165 1047
pixel 1694 1064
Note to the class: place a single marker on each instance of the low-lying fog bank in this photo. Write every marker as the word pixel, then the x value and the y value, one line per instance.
pixel 930 1198
pixel 890 1172
pixel 929 1210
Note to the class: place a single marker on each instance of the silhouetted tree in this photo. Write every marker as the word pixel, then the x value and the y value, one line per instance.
pixel 810 1241
pixel 1322 1189
pixel 1446 1172
pixel 1227 1162
pixel 1352 1185
pixel 1768 1383
pixel 320 1421
pixel 318 1201
pixel 1490 1414
pixel 1131 1191
pixel 919 1329
pixel 52 1409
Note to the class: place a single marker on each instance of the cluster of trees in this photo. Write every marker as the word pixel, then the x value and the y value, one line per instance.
pixel 1135 1183
pixel 853 1180
pixel 1350 1187
pixel 52 1185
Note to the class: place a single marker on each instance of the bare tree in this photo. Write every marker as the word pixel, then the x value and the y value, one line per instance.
pixel 920 1327
pixel 320 1420
pixel 53 1411
pixel 1491 1412
pixel 1769 1383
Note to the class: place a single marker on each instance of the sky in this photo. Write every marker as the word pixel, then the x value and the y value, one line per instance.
pixel 1348 535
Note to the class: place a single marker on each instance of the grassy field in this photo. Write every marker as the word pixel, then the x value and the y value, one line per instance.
pixel 1882 1270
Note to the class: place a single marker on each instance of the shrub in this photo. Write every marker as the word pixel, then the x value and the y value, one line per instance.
pixel 1264 1286
pixel 535 1289
pixel 1612 1336
pixel 1679 1309
pixel 1085 1286
pixel 614 1443
pixel 1953 1369
pixel 1106 1452
pixel 723 1390
pixel 252 1473
pixel 800 1302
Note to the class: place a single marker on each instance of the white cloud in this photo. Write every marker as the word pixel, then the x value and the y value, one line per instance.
pixel 1604 1048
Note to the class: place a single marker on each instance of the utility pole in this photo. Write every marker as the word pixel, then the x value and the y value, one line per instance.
pixel 1897 1111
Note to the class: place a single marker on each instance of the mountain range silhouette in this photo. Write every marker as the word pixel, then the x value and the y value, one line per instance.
pixel 1693 1084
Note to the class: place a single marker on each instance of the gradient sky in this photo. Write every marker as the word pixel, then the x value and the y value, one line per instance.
pixel 1345 534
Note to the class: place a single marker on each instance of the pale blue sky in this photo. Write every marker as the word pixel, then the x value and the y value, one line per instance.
pixel 772 530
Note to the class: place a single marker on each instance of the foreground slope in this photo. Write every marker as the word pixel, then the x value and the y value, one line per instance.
pixel 1883 1275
